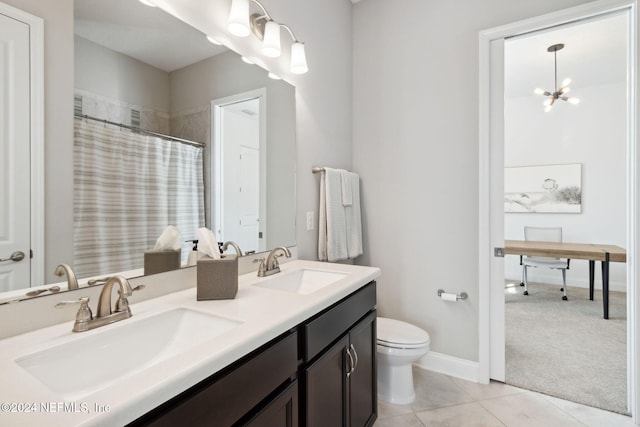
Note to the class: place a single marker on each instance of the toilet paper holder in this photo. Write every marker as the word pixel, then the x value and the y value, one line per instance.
pixel 462 295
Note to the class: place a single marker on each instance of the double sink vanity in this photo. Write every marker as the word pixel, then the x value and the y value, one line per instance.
pixel 293 348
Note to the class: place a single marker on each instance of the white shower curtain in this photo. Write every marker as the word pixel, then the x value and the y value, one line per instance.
pixel 127 188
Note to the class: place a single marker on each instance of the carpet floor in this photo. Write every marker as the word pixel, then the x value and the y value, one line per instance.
pixel 565 348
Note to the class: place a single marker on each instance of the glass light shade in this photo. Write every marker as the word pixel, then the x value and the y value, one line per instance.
pixel 547 102
pixel 548 108
pixel 574 101
pixel 298 59
pixel 238 24
pixel 565 90
pixel 566 82
pixel 271 40
pixel 538 91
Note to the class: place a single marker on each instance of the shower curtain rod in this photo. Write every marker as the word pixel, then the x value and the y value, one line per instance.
pixel 137 129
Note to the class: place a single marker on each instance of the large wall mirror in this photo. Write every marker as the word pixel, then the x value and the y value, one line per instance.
pixel 220 152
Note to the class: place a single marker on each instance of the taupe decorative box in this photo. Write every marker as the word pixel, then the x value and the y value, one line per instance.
pixel 156 261
pixel 217 278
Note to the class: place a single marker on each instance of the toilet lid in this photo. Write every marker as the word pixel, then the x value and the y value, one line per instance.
pixel 395 333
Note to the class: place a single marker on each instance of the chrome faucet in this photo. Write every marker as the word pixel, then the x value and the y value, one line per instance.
pixel 105 314
pixel 271 266
pixel 235 247
pixel 72 282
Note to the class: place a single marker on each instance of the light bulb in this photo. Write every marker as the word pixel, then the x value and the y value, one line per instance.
pixel 566 82
pixel 547 103
pixel 239 18
pixel 548 108
pixel 271 40
pixel 574 101
pixel 565 90
pixel 298 59
pixel 538 91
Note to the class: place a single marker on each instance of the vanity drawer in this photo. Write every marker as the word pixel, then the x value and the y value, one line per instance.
pixel 321 330
pixel 226 397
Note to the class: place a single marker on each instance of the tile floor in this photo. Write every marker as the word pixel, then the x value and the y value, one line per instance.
pixel 443 401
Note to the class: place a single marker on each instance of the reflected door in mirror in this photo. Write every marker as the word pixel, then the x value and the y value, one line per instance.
pixel 15 227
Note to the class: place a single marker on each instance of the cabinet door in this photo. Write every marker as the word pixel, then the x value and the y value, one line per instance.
pixel 282 411
pixel 362 381
pixel 325 386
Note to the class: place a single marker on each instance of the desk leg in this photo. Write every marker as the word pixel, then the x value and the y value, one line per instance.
pixel 592 270
pixel 605 286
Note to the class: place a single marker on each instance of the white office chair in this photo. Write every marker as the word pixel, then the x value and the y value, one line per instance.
pixel 544 234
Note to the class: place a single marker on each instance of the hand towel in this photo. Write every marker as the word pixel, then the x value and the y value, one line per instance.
pixel 353 218
pixel 347 187
pixel 332 236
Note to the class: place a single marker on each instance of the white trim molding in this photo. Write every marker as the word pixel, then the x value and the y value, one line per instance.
pixel 573 14
pixel 449 365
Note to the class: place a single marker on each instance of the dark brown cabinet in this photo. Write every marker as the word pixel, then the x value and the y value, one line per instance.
pixel 340 384
pixel 320 373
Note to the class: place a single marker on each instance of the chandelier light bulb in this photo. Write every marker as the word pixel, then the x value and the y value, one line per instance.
pixel 298 59
pixel 565 90
pixel 238 24
pixel 574 101
pixel 548 108
pixel 271 41
pixel 538 91
pixel 547 103
pixel 566 82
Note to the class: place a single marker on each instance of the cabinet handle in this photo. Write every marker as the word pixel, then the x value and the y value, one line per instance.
pixel 355 355
pixel 351 365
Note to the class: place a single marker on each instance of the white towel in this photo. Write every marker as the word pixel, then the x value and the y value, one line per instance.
pixel 352 214
pixel 332 233
pixel 347 187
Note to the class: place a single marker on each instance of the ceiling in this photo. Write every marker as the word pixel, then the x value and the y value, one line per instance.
pixel 595 53
pixel 146 33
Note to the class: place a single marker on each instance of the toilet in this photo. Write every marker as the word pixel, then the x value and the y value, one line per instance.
pixel 399 344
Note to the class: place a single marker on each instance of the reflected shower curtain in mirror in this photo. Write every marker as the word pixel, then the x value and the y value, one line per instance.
pixel 128 187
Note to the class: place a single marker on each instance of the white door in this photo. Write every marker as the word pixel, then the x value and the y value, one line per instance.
pixel 249 198
pixel 15 172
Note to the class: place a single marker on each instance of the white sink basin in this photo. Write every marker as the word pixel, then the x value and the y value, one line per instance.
pixel 303 281
pixel 81 367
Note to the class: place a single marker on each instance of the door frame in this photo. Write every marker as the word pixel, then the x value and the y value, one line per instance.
pixel 36 87
pixel 491 300
pixel 215 157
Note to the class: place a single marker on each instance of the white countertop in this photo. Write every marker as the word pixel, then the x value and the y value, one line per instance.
pixel 264 313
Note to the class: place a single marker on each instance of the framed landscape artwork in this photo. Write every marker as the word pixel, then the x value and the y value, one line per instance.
pixel 543 189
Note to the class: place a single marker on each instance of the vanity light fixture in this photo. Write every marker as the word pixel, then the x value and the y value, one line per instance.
pixel 147 3
pixel 562 90
pixel 241 23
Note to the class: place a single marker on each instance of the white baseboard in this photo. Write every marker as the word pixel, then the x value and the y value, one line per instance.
pixel 449 365
pixel 614 285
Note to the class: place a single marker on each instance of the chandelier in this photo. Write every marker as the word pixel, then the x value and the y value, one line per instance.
pixel 562 90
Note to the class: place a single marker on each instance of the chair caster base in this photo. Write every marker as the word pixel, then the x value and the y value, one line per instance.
pixel 564 298
pixel 526 293
pixel 521 284
pixel 561 289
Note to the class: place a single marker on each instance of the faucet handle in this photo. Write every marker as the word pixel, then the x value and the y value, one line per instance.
pixel 261 267
pixel 123 303
pixel 84 314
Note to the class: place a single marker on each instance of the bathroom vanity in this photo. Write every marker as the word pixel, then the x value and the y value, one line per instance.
pixel 297 348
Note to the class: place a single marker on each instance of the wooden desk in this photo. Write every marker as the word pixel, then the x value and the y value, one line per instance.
pixel 587 251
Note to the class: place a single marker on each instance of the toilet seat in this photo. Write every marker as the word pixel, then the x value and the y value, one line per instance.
pixel 394 333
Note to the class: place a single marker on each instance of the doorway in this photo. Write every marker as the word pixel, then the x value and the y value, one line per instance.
pixel 492 155
pixel 238 163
